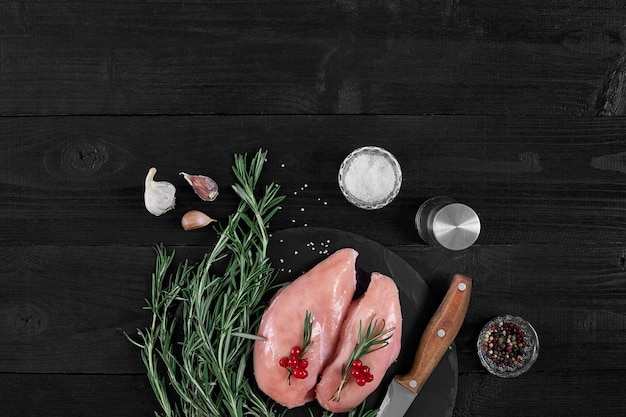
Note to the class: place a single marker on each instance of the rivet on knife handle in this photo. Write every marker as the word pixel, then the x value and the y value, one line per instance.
pixel 439 333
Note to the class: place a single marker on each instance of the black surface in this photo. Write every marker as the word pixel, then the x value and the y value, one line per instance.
pixel 501 105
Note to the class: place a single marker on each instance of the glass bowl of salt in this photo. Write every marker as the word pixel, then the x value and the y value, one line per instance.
pixel 370 177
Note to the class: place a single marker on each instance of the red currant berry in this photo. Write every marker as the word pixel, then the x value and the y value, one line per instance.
pixel 369 377
pixel 283 362
pixel 300 373
pixel 360 381
pixel 357 363
pixel 303 363
pixel 296 351
pixel 365 370
pixel 292 362
pixel 355 372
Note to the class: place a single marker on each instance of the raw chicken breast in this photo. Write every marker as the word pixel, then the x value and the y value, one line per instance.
pixel 325 292
pixel 380 302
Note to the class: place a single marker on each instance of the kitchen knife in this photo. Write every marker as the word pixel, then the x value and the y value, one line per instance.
pixel 435 341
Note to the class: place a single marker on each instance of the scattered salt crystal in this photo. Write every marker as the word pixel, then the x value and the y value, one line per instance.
pixel 282 165
pixel 295 252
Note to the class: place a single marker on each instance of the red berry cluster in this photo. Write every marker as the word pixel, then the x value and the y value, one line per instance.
pixel 361 373
pixel 295 364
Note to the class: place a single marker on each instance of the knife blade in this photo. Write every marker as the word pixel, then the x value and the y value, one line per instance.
pixel 435 341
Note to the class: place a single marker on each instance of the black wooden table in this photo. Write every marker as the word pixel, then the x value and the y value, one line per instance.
pixel 514 108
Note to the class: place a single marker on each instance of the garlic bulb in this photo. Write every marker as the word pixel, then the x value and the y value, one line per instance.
pixel 195 219
pixel 204 186
pixel 159 196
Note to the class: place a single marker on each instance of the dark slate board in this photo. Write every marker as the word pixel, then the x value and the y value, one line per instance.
pixel 294 251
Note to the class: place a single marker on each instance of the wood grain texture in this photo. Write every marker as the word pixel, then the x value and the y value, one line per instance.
pixel 531 180
pixel 65 309
pixel 588 393
pixel 559 394
pixel 389 57
pixel 39 395
pixel 572 295
pixel 494 104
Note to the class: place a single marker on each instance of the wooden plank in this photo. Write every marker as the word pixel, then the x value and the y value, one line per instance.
pixel 67 395
pixel 589 393
pixel 64 309
pixel 572 295
pixel 542 394
pixel 79 180
pixel 408 57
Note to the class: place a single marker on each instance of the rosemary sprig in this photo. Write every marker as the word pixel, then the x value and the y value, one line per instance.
pixel 375 338
pixel 202 372
pixel 306 333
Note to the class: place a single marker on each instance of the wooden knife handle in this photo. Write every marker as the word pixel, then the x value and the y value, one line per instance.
pixel 439 333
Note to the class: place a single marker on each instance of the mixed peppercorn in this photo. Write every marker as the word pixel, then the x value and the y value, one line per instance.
pixel 504 344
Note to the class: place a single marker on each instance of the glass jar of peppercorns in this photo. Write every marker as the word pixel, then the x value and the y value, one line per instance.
pixel 508 346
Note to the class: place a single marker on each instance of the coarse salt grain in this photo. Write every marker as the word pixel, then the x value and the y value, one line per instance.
pixel 370 177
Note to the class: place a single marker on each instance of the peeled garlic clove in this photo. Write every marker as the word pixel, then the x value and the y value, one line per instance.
pixel 160 196
pixel 204 186
pixel 195 219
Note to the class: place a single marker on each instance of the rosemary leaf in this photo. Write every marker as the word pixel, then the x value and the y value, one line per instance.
pixel 248 336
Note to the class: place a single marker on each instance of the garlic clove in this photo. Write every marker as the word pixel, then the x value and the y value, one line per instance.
pixel 203 186
pixel 195 219
pixel 159 196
